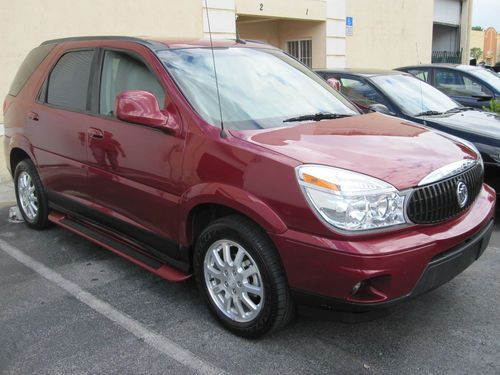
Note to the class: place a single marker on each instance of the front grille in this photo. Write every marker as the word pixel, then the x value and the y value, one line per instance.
pixel 438 201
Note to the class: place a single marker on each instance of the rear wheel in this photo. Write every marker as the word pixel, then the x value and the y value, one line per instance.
pixel 30 195
pixel 239 273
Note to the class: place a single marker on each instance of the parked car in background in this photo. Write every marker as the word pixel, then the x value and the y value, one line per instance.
pixel 472 86
pixel 400 94
pixel 279 193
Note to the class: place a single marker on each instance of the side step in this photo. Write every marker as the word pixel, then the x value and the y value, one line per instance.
pixel 125 250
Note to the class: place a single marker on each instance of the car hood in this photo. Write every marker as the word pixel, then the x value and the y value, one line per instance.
pixel 394 150
pixel 472 121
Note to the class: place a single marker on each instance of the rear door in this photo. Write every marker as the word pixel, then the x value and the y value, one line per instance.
pixel 56 126
pixel 462 87
pixel 134 170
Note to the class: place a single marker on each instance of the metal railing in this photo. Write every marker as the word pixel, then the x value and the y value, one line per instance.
pixel 450 57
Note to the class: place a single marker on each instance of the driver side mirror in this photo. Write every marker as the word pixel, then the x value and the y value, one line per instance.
pixel 141 107
pixel 380 108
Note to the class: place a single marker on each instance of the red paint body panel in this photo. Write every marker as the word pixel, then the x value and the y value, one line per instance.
pixel 381 146
pixel 152 180
pixel 332 267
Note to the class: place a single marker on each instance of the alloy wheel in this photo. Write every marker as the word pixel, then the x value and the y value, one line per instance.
pixel 27 195
pixel 234 281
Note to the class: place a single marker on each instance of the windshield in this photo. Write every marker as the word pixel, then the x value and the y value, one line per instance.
pixel 489 77
pixel 412 95
pixel 259 88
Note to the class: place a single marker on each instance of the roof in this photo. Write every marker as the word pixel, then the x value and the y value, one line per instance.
pixel 451 66
pixel 159 43
pixel 361 72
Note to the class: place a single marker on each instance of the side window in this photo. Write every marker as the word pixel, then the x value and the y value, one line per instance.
pixel 121 72
pixel 458 84
pixel 420 74
pixel 476 88
pixel 361 93
pixel 69 80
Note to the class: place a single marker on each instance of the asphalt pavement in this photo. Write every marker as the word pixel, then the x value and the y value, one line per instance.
pixel 68 306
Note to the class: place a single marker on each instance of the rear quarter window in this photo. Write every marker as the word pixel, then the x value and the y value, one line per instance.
pixel 69 80
pixel 29 65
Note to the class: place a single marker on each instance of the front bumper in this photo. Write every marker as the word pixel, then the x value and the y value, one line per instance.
pixel 322 272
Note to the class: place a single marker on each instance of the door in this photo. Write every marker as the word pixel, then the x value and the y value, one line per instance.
pixel 56 127
pixel 134 170
pixel 462 87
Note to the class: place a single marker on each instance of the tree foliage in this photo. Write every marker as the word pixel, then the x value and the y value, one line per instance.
pixel 478 28
pixel 476 53
pixel 494 106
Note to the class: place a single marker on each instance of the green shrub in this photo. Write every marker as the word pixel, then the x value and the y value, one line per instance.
pixel 494 106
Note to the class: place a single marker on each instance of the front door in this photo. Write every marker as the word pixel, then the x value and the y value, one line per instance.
pixel 134 169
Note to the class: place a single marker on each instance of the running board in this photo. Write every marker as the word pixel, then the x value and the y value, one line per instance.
pixel 131 253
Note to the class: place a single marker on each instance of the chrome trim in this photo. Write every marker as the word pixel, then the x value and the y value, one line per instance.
pixel 447 171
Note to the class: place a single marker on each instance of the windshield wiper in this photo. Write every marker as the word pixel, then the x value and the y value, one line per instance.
pixel 460 109
pixel 317 117
pixel 428 113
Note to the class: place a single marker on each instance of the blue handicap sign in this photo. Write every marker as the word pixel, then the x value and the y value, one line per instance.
pixel 348 21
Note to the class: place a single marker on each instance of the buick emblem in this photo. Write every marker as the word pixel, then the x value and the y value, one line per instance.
pixel 462 194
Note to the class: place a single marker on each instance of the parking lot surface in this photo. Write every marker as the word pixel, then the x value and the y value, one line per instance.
pixel 68 306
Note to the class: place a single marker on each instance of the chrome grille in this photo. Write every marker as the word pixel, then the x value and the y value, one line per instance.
pixel 438 201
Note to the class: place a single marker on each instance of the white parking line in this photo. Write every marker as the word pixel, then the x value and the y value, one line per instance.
pixel 158 342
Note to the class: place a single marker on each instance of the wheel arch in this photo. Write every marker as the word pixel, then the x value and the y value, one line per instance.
pixel 19 148
pixel 205 203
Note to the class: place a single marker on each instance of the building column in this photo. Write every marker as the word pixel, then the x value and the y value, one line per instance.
pixel 335 34
pixel 222 15
pixel 465 30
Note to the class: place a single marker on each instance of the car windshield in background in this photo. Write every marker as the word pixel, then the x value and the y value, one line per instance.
pixel 488 77
pixel 259 88
pixel 414 96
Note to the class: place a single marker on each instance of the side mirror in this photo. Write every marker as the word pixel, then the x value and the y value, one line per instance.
pixel 334 83
pixel 380 108
pixel 141 107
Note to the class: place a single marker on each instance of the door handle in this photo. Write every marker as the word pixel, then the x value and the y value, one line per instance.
pixel 95 133
pixel 33 116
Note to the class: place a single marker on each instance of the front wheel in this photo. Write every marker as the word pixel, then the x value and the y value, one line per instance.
pixel 30 195
pixel 239 273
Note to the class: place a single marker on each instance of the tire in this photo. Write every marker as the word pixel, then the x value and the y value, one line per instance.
pixel 25 175
pixel 273 306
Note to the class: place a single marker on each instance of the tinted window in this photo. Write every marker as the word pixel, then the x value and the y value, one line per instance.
pixel 455 83
pixel 488 77
pixel 69 80
pixel 360 92
pixel 122 72
pixel 420 73
pixel 30 63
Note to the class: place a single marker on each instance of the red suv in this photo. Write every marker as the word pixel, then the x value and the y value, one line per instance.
pixel 278 193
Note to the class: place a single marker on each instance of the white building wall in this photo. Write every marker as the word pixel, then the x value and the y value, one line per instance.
pixel 335 34
pixel 222 19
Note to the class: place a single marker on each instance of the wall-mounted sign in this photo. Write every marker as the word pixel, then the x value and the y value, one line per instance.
pixel 348 26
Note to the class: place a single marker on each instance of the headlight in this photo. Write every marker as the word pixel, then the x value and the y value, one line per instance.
pixel 351 201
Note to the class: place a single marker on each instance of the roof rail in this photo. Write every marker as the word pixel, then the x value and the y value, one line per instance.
pixel 148 43
pixel 253 41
